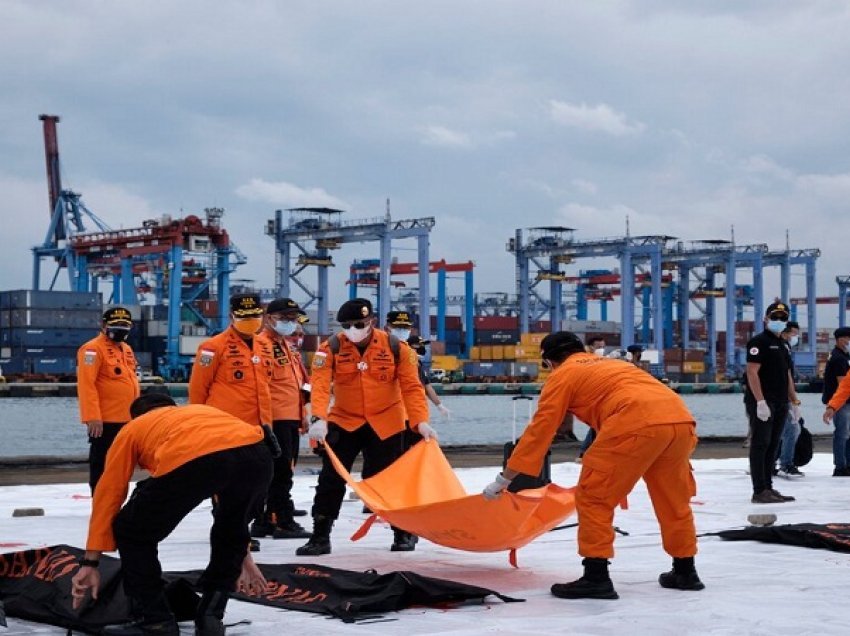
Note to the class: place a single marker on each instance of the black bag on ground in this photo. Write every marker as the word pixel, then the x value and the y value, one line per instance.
pixel 804 450
pixel 525 482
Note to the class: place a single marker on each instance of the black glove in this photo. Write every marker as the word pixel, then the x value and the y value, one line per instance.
pixel 271 441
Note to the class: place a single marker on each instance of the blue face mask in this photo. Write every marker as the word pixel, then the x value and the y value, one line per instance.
pixel 285 327
pixel 776 326
pixel 401 334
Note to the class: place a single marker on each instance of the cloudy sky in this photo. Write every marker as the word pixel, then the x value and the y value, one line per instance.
pixel 688 118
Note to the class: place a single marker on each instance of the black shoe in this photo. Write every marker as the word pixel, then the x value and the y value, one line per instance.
pixel 583 588
pixel 781 496
pixel 290 530
pixel 841 472
pixel 209 620
pixel 403 542
pixel 299 513
pixel 315 546
pixel 366 510
pixel 680 581
pixel 262 528
pixel 766 497
pixel 254 545
pixel 143 628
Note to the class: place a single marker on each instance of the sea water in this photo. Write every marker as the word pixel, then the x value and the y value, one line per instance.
pixel 51 426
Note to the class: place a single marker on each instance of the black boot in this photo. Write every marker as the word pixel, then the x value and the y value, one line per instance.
pixel 595 583
pixel 320 540
pixel 288 528
pixel 209 619
pixel 403 541
pixel 264 526
pixel 683 576
pixel 154 619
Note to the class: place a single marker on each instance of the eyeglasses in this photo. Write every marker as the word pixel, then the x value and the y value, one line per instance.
pixel 360 324
pixel 547 364
pixel 778 317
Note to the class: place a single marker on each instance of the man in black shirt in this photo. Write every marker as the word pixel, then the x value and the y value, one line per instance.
pixel 836 368
pixel 770 388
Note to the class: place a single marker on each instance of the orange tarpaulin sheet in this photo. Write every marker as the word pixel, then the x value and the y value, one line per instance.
pixel 420 493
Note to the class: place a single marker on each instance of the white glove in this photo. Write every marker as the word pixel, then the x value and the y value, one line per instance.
pixel 446 413
pixel 494 489
pixel 426 431
pixel 318 431
pixel 762 411
pixel 616 354
pixel 796 413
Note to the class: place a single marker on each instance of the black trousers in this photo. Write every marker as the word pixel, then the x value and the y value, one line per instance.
pixel 330 490
pixel 98 447
pixel 238 476
pixel 765 441
pixel 279 501
pixel 411 437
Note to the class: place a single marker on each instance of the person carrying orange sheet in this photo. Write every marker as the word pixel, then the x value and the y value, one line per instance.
pixel 643 430
pixel 372 389
pixel 106 386
pixel 287 381
pixel 191 452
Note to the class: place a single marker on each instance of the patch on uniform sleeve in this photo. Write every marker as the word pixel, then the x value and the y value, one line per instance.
pixel 206 357
pixel 754 351
pixel 89 356
pixel 412 357
pixel 319 359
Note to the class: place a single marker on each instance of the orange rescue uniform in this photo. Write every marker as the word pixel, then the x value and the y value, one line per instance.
pixel 160 441
pixel 643 430
pixel 106 380
pixel 841 395
pixel 286 378
pixel 365 387
pixel 233 377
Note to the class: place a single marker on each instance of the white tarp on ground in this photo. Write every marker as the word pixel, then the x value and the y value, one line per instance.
pixel 751 588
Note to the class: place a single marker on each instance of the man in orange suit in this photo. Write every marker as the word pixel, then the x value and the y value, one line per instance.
pixel 106 386
pixel 374 390
pixel 643 430
pixel 191 452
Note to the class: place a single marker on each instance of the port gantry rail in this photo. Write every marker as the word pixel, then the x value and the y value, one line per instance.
pixel 550 247
pixel 308 235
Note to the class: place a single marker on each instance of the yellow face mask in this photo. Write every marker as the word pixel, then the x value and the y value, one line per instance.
pixel 247 326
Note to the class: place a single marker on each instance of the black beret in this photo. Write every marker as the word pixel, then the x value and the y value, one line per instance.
pixel 561 342
pixel 775 308
pixel 401 318
pixel 354 310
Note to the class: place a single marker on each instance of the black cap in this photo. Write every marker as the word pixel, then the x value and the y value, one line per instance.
pixel 842 332
pixel 417 341
pixel 556 346
pixel 246 306
pixel 634 348
pixel 399 319
pixel 353 310
pixel 792 324
pixel 284 306
pixel 117 317
pixel 777 308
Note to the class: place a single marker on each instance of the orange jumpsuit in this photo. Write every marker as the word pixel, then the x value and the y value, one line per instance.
pixel 365 387
pixel 234 377
pixel 643 430
pixel 286 378
pixel 160 441
pixel 106 380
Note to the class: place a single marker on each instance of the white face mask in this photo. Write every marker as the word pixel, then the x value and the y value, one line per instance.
pixel 401 334
pixel 847 347
pixel 793 340
pixel 600 352
pixel 285 327
pixel 357 335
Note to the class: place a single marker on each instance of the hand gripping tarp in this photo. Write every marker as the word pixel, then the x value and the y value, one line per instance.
pixel 420 493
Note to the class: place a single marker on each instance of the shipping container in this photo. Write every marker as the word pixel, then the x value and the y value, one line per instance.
pixel 509 352
pixel 523 370
pixel 591 327
pixel 475 354
pixel 53 318
pixel 485 369
pixel 28 337
pixel 532 339
pixel 15 366
pixel 540 326
pixel 439 348
pixel 496 323
pixel 43 299
pixel 499 336
pixel 189 344
pixel 524 351
pixel 497 352
pixel 447 363
pixel 455 349
pixel 55 366
pixel 45 352
pixel 453 336
pixel 452 322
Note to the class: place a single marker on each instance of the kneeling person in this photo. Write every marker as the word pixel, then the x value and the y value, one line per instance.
pixel 191 452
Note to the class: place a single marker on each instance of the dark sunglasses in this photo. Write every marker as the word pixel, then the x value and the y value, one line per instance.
pixel 778 317
pixel 357 325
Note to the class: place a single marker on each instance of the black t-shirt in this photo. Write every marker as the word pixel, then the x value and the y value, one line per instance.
pixel 770 351
pixel 837 366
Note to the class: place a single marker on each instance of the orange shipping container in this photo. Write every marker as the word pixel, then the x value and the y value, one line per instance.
pixel 532 338
pixel 509 352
